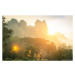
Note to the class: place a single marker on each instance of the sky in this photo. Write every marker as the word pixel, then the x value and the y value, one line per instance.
pixel 62 24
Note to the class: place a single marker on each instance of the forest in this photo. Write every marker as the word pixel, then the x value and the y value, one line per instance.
pixel 32 48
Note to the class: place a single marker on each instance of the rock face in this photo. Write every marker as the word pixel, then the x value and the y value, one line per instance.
pixel 21 29
pixel 41 26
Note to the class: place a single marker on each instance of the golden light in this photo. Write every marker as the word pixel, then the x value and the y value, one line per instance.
pixel 54 26
pixel 15 48
pixel 51 32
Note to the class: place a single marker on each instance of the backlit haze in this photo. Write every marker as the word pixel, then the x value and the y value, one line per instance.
pixel 59 28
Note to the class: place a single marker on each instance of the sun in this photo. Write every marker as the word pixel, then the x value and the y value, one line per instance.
pixel 51 29
pixel 51 32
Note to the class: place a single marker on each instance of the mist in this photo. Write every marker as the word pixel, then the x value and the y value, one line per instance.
pixel 26 42
pixel 39 30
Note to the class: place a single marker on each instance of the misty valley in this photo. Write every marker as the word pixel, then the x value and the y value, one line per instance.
pixel 22 42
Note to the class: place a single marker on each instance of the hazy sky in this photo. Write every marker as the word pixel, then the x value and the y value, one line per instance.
pixel 60 23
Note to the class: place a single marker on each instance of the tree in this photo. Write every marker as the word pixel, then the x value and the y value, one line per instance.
pixel 6 35
pixel 30 51
pixel 51 51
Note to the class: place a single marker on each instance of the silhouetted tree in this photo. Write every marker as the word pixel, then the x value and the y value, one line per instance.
pixel 6 35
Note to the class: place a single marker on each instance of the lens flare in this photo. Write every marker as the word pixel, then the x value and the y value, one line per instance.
pixel 15 48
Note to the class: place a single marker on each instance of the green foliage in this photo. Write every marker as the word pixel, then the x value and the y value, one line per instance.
pixel 29 59
pixel 6 35
pixel 8 59
pixel 64 54
pixel 26 58
pixel 13 55
pixel 32 49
